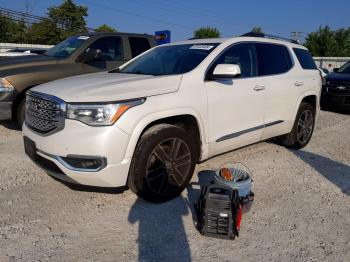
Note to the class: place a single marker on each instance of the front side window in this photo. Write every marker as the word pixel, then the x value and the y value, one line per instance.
pixel 273 59
pixel 345 68
pixel 67 47
pixel 138 45
pixel 243 55
pixel 111 48
pixel 169 60
pixel 305 59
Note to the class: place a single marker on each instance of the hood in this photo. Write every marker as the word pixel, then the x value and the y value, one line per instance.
pixel 25 61
pixel 341 77
pixel 104 87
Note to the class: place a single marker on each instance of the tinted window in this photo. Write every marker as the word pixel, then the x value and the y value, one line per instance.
pixel 169 60
pixel 111 48
pixel 67 47
pixel 138 45
pixel 345 68
pixel 243 55
pixel 273 59
pixel 305 59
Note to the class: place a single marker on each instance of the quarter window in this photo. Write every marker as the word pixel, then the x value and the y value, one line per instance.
pixel 305 59
pixel 111 48
pixel 273 59
pixel 138 45
pixel 243 55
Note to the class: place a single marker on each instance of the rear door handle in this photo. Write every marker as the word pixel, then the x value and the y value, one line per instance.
pixel 299 83
pixel 259 87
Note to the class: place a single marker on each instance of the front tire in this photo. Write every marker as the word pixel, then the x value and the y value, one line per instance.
pixel 163 163
pixel 303 127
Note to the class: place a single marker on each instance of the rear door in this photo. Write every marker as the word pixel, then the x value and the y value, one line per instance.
pixel 277 82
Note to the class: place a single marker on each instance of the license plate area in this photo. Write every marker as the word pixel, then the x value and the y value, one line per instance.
pixel 30 148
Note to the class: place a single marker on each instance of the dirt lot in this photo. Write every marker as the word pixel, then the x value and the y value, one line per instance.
pixel 301 211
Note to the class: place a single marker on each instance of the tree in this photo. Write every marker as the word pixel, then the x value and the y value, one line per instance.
pixel 257 30
pixel 62 21
pixel 207 32
pixel 105 28
pixel 326 42
pixel 12 31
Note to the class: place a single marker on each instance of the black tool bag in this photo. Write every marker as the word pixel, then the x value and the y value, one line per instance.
pixel 217 211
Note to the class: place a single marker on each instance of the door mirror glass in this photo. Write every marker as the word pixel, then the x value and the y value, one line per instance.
pixel 335 69
pixel 226 71
pixel 91 55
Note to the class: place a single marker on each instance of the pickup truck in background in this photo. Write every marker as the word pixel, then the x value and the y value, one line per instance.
pixel 79 54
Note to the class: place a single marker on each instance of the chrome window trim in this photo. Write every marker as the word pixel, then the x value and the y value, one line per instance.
pixel 252 42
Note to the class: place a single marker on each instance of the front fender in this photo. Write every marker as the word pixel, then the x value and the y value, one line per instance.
pixel 157 116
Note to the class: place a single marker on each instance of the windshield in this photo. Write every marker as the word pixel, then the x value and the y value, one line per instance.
pixel 169 60
pixel 345 68
pixel 67 47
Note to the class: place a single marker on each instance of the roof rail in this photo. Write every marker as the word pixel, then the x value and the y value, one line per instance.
pixel 263 35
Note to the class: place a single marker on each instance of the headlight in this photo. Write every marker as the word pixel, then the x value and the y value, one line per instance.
pixel 5 86
pixel 100 114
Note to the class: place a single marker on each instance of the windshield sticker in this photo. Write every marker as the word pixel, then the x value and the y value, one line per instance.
pixel 83 37
pixel 202 47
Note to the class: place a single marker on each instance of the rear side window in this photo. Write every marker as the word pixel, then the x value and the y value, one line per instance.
pixel 305 59
pixel 138 45
pixel 273 59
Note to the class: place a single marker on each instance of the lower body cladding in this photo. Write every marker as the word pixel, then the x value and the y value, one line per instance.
pixel 93 156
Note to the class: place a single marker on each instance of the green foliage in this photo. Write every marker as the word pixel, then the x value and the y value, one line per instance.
pixel 207 32
pixel 257 29
pixel 63 21
pixel 11 31
pixel 105 28
pixel 326 42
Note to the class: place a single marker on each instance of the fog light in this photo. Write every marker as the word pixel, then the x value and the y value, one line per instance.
pixel 82 163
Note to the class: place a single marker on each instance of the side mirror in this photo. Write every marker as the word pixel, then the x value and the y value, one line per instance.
pixel 90 56
pixel 223 71
pixel 335 69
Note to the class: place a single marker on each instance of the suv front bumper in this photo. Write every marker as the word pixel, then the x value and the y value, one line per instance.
pixel 77 139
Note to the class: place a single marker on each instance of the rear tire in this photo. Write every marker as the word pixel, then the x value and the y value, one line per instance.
pixel 303 128
pixel 21 113
pixel 163 163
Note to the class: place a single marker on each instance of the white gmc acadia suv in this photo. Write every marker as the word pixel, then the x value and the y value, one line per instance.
pixel 147 123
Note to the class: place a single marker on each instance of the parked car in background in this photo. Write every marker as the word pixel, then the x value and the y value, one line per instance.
pixel 336 91
pixel 147 123
pixel 80 54
pixel 23 52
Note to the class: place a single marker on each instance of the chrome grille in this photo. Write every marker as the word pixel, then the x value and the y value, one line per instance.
pixel 44 114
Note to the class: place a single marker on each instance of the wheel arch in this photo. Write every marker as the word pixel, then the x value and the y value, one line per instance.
pixel 189 118
pixel 21 95
pixel 311 98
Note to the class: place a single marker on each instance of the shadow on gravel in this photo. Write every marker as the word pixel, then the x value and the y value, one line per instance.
pixel 12 125
pixel 162 235
pixel 194 191
pixel 336 172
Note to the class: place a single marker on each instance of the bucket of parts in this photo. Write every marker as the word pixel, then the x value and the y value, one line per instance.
pixel 236 176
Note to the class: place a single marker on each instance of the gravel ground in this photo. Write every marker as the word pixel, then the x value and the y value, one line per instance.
pixel 301 210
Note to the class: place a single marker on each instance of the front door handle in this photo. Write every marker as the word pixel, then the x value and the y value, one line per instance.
pixel 259 87
pixel 299 83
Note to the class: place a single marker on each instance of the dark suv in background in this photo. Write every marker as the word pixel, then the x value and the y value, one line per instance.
pixel 336 91
pixel 80 54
